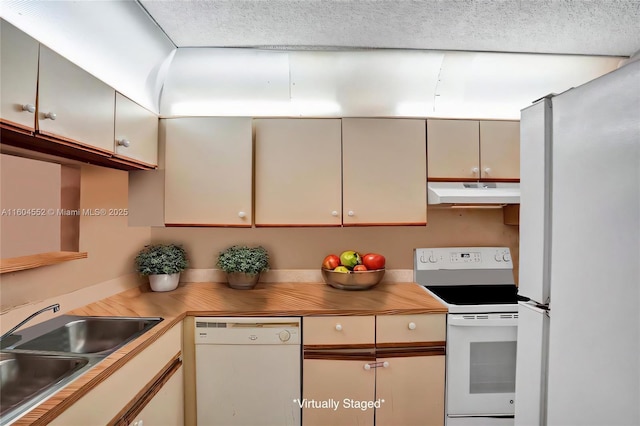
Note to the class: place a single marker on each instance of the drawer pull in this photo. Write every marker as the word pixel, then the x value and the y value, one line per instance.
pixel 412 326
pixel 339 327
pixel 369 366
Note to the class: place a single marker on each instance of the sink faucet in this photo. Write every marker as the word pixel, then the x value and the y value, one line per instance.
pixel 55 308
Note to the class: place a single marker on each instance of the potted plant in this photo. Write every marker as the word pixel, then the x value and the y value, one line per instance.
pixel 243 265
pixel 163 264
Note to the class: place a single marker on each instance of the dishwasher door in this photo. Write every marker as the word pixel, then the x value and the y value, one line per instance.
pixel 248 371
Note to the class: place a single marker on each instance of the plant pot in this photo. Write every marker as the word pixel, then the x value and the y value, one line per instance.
pixel 242 281
pixel 164 282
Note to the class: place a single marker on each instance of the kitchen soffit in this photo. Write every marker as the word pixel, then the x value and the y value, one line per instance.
pixel 594 27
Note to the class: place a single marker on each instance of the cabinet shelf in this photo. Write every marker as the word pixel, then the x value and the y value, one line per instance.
pixel 22 263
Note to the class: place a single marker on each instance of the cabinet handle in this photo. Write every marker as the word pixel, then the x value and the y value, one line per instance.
pixel 351 213
pixel 475 171
pixel 487 170
pixel 367 367
pixel 339 327
pixel 242 215
pixel 384 364
pixel 334 213
pixel 124 142
pixel 29 108
pixel 412 326
pixel 51 115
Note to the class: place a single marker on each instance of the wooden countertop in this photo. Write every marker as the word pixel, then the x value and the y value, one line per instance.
pixel 217 299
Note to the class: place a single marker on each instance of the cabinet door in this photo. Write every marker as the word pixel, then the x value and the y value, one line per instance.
pixel 208 170
pixel 500 149
pixel 166 407
pixel 384 171
pixel 73 104
pixel 453 148
pixel 298 172
pixel 412 389
pixel 334 381
pixel 18 77
pixel 136 131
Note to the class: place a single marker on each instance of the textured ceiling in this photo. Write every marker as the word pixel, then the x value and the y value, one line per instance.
pixel 585 27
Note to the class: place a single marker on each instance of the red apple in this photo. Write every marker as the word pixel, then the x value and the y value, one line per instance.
pixel 359 268
pixel 373 261
pixel 331 262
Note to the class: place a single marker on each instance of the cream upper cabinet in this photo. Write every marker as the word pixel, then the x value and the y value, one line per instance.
pixel 453 149
pixel 73 104
pixel 18 77
pixel 500 149
pixel 136 131
pixel 298 172
pixel 208 171
pixel 472 150
pixel 384 171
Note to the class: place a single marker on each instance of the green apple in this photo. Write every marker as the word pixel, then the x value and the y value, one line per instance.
pixel 350 258
pixel 342 269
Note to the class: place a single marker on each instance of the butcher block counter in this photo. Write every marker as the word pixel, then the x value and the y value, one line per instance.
pixel 217 299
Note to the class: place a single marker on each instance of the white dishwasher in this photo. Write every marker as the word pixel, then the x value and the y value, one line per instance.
pixel 248 371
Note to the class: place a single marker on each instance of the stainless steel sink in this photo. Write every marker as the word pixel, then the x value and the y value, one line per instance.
pixel 91 335
pixel 25 377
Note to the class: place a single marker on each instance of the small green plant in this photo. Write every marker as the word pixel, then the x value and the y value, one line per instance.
pixel 156 259
pixel 250 260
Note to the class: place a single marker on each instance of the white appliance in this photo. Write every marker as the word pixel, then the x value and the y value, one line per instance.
pixel 473 193
pixel 477 286
pixel 578 359
pixel 248 371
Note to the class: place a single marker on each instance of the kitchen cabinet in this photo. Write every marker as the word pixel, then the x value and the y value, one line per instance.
pixel 121 392
pixel 166 407
pixel 73 105
pixel 18 77
pixel 472 150
pixel 208 171
pixel 136 131
pixel 398 368
pixel 298 172
pixel 384 171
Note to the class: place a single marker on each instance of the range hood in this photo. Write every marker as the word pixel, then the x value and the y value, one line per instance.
pixel 473 193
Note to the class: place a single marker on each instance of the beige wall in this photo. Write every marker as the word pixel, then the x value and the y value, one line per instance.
pixel 111 245
pixel 38 189
pixel 304 248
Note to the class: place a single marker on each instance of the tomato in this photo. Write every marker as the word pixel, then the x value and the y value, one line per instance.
pixel 373 261
pixel 331 262
pixel 359 268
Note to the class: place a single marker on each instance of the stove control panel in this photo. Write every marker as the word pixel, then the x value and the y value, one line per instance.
pixel 463 258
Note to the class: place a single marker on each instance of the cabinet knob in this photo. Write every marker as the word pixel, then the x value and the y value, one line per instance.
pixel 334 213
pixel 367 367
pixel 475 170
pixel 385 364
pixel 124 142
pixel 487 170
pixel 351 213
pixel 29 107
pixel 51 115
pixel 412 326
pixel 242 215
pixel 339 327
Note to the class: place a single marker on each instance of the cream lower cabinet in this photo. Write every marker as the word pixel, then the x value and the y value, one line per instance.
pixel 136 131
pixel 18 77
pixel 208 171
pixel 398 380
pixel 73 104
pixel 472 150
pixel 384 171
pixel 298 172
pixel 167 406
pixel 111 400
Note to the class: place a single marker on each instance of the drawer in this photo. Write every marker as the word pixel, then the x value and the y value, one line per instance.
pixel 338 330
pixel 411 328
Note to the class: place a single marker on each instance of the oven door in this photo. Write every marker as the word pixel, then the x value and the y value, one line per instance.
pixel 481 364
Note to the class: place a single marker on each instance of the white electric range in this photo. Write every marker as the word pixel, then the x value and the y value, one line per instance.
pixel 477 286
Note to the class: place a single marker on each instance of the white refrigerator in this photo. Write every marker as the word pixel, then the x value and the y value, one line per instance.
pixel 578 353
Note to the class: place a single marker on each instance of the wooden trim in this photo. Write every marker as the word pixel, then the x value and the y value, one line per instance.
pixel 16 127
pixel 385 346
pixel 338 347
pixel 37 260
pixel 387 224
pixel 411 351
pixel 504 180
pixel 305 225
pixel 72 142
pixel 132 161
pixel 341 356
pixel 204 225
pixel 445 179
pixel 511 214
pixel 146 394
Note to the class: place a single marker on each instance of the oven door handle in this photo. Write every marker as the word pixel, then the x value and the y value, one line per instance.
pixel 460 320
